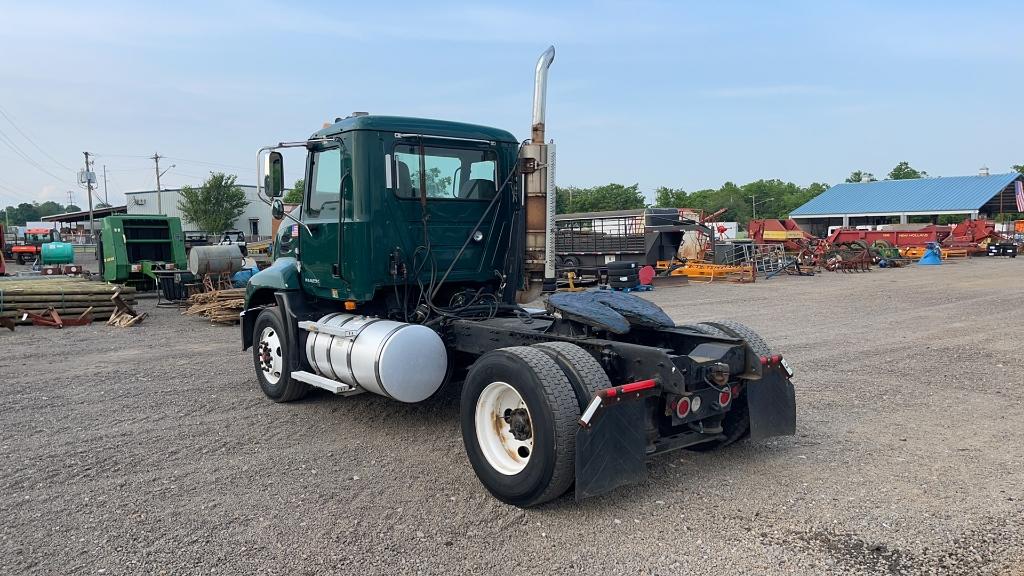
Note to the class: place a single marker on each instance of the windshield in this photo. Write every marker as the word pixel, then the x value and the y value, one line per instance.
pixel 449 172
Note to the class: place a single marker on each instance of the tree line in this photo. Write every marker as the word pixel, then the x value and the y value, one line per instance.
pixel 33 212
pixel 766 198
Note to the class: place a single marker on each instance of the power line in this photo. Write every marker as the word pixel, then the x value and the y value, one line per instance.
pixel 32 142
pixel 205 163
pixel 10 144
pixel 123 156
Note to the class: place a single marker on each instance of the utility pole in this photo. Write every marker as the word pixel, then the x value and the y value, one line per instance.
pixel 106 199
pixel 88 186
pixel 159 203
pixel 753 205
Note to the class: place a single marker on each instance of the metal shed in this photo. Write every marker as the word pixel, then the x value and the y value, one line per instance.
pixel 892 201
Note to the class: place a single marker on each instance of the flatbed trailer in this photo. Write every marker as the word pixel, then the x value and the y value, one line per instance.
pixel 589 241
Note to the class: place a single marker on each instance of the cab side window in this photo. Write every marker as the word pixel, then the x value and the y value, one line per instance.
pixel 325 189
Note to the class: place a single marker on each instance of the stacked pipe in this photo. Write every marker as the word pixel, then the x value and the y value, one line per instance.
pixel 68 296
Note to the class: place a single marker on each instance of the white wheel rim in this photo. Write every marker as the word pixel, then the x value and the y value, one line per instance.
pixel 502 450
pixel 270 355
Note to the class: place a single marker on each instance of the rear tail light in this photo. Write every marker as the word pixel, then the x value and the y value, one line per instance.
pixel 683 407
pixel 724 397
pixel 695 404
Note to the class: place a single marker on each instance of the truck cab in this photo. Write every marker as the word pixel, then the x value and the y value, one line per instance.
pixel 379 191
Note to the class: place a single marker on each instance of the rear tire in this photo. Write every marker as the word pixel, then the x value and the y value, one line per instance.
pixel 518 417
pixel 584 372
pixel 271 360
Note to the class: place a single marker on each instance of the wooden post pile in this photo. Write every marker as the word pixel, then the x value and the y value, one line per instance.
pixel 221 306
pixel 68 296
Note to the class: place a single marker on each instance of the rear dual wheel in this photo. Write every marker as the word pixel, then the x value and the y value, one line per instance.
pixel 519 413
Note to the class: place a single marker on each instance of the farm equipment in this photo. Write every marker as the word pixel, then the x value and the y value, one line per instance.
pixel 3 251
pixel 970 235
pixel 418 243
pixel 806 249
pixel 130 249
pixel 30 247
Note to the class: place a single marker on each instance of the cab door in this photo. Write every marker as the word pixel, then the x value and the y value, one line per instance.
pixel 328 189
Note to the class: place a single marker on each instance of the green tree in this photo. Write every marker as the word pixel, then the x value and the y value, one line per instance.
pixel 215 205
pixel 32 212
pixel 665 197
pixel 1018 168
pixel 436 185
pixel 859 176
pixel 50 207
pixel 294 196
pixel 903 171
pixel 599 198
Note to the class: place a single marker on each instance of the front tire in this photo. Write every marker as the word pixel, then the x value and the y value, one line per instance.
pixel 271 359
pixel 519 416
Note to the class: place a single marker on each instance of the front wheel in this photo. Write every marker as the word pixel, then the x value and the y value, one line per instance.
pixel 270 356
pixel 519 416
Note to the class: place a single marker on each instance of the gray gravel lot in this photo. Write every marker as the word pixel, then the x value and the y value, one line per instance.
pixel 152 450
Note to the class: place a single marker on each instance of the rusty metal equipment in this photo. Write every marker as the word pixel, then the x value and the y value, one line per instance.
pixel 51 318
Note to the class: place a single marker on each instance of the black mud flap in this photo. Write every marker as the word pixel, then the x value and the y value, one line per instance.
pixel 772 404
pixel 611 452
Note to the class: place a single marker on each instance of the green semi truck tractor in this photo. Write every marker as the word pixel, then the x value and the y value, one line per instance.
pixel 422 245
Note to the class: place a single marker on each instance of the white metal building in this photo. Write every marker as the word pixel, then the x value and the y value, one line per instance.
pixel 255 221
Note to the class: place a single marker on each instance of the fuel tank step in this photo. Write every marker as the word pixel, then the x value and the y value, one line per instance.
pixel 332 386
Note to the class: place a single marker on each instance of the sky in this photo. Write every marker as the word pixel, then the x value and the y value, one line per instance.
pixel 681 94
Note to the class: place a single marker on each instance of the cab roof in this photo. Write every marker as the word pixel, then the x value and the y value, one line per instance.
pixel 426 126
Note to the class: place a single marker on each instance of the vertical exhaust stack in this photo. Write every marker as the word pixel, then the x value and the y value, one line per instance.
pixel 539 167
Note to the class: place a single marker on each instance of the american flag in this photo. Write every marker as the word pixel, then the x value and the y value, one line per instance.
pixel 1019 187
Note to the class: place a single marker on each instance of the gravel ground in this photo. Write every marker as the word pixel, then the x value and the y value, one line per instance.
pixel 152 450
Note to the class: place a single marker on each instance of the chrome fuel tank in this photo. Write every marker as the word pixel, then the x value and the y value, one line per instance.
pixel 407 362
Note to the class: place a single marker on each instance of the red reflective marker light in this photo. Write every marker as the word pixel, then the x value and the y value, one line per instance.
pixel 683 407
pixel 776 359
pixel 764 360
pixel 724 398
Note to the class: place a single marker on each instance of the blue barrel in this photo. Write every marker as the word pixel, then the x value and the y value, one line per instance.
pixel 58 253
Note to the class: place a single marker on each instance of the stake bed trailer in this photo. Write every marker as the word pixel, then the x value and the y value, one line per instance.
pixel 418 241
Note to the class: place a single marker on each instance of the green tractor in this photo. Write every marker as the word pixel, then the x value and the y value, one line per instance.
pixel 420 244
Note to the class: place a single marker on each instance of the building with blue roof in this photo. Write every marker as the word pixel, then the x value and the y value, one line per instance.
pixel 900 201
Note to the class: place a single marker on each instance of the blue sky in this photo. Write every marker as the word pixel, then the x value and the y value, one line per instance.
pixel 662 93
